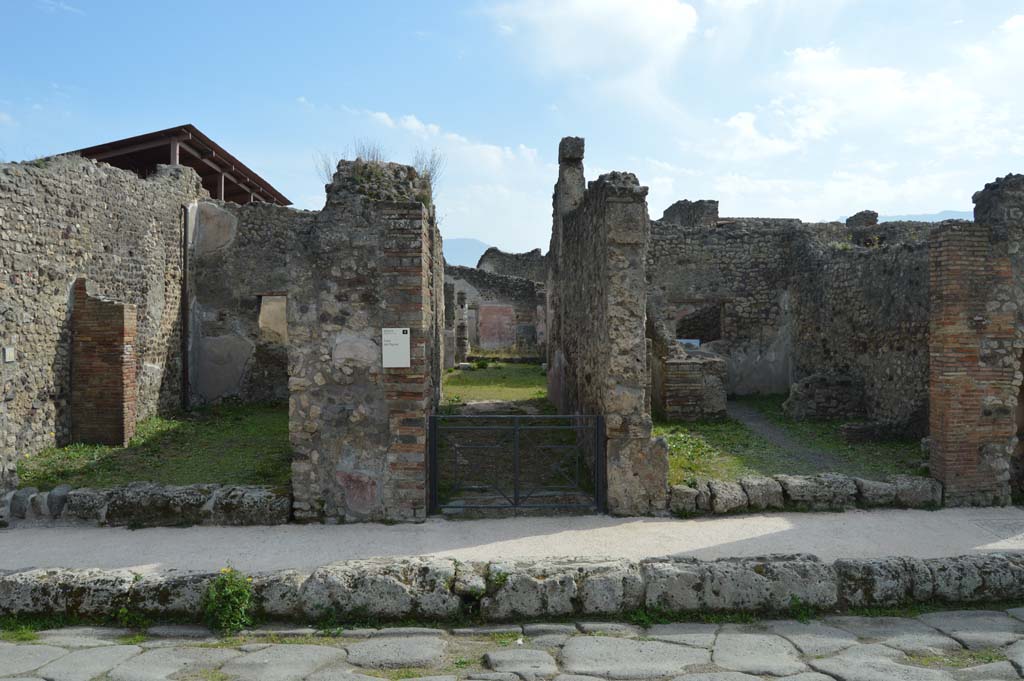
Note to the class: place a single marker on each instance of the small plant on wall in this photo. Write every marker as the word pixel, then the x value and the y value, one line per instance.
pixel 228 603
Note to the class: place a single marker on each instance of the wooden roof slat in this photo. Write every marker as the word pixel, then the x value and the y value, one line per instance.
pixel 189 137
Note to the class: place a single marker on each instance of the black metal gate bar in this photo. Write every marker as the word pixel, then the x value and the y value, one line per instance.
pixel 587 448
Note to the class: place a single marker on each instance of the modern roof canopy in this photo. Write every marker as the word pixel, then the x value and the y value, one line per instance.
pixel 223 175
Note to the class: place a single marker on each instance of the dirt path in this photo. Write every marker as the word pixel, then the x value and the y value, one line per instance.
pixel 769 430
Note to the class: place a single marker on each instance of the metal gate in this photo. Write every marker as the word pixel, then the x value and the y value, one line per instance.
pixel 516 462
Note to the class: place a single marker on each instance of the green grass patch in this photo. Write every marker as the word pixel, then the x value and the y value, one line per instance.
pixel 721 450
pixel 227 444
pixel 499 381
pixel 958 659
pixel 728 450
pixel 505 639
pixel 21 634
pixel 867 459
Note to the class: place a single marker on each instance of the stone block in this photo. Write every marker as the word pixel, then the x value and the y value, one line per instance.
pixel 170 594
pixel 86 504
pixel 882 582
pixel 607 588
pixel 682 500
pixel 917 492
pixel 33 592
pixel 56 500
pixel 727 497
pixel 39 505
pixel 872 493
pixel 21 504
pixel 763 493
pixel 823 492
pixel 537 589
pixel 250 506
pixel 279 594
pixel 975 578
pixel 382 588
pixel 674 585
pixel 143 504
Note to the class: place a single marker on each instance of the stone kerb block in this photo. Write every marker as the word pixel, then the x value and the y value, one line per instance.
pixel 441 589
pixel 727 497
pixel 884 582
pixel 823 492
pixel 763 493
pixel 558 588
pixel 738 584
pixel 382 588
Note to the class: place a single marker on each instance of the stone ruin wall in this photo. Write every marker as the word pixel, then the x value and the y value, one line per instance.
pixel 860 324
pixel 504 313
pixel 371 259
pixel 788 302
pixel 728 278
pixel 598 353
pixel 66 217
pixel 532 265
pixel 237 256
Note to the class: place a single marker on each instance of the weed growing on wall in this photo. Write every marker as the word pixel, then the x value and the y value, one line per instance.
pixel 228 603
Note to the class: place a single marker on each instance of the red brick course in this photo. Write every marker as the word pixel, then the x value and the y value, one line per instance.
pixel 103 369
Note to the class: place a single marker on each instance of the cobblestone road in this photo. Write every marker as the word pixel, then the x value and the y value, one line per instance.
pixel 947 646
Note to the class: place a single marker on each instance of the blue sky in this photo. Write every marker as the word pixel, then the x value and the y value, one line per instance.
pixel 800 108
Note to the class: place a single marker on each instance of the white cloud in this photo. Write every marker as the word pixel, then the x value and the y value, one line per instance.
pixel 740 140
pixel 731 5
pixel 417 126
pixel 493 192
pixel 844 191
pixel 57 6
pixel 382 118
pixel 964 107
pixel 6 118
pixel 593 35
pixel 622 48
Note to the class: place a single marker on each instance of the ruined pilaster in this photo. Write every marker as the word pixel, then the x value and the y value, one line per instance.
pixel 597 344
pixel 975 345
pixel 358 429
pixel 568 195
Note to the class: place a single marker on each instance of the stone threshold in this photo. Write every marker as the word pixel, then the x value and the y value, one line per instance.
pixel 428 589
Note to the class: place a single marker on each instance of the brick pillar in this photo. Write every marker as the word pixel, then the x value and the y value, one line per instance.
pixel 973 364
pixel 103 369
pixel 405 286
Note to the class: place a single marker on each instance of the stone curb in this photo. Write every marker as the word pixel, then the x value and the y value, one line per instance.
pixel 822 492
pixel 144 504
pixel 433 589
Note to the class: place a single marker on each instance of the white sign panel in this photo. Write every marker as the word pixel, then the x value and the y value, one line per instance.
pixel 395 343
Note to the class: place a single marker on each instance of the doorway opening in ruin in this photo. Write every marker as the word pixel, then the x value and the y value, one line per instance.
pixel 699 324
pixel 497 446
pixel 511 464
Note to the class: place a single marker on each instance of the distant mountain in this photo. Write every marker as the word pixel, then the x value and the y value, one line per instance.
pixel 465 252
pixel 929 217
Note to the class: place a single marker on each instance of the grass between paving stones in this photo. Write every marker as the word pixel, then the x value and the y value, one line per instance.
pixel 499 381
pixel 958 659
pixel 227 444
pixel 728 450
pixel 23 628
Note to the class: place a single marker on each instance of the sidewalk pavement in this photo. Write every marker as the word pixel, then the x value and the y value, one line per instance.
pixel 830 536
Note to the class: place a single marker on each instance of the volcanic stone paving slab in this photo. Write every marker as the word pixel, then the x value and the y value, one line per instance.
pixel 972 646
pixel 745 649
